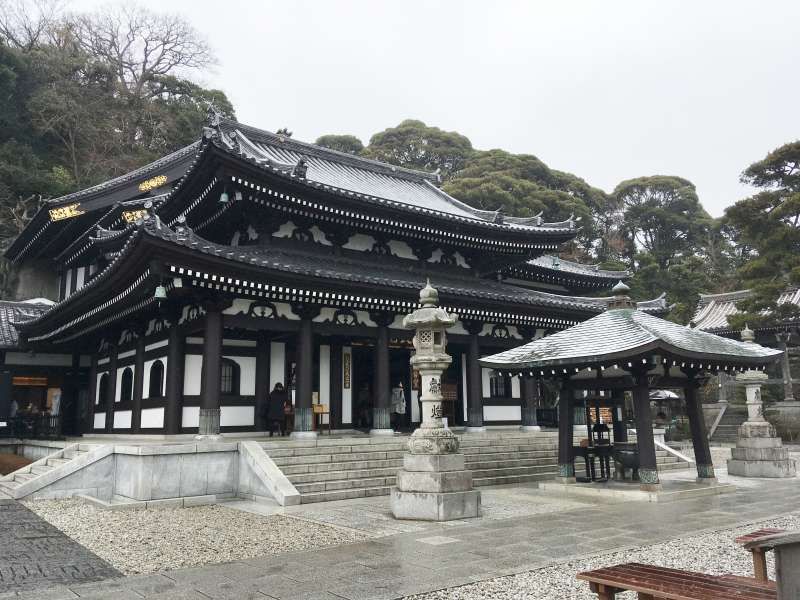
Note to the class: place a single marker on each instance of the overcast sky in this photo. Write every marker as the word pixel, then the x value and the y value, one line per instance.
pixel 607 90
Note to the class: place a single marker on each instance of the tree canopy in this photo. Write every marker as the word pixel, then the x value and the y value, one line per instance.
pixel 349 144
pixel 415 145
pixel 767 226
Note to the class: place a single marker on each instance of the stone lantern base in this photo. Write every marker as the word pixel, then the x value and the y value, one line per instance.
pixel 759 452
pixel 434 487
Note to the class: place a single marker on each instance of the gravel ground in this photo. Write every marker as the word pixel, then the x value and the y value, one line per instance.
pixel 144 541
pixel 715 553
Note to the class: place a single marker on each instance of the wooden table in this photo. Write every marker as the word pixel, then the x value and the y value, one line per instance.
pixel 759 554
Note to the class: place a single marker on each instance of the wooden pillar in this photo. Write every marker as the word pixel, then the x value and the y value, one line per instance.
pixel 88 424
pixel 112 386
pixel 336 385
pixel 648 466
pixel 530 402
pixel 697 424
pixel 303 414
pixel 176 358
pixel 210 373
pixel 786 369
pixel 618 423
pixel 474 383
pixel 566 466
pixel 262 381
pixel 381 410
pixel 138 380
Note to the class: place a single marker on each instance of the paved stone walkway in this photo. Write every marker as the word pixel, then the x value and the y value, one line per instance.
pixel 34 555
pixel 447 555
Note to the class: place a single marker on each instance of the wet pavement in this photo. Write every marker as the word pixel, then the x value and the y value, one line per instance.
pixel 431 556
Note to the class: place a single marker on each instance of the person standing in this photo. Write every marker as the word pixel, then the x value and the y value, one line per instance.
pixel 275 409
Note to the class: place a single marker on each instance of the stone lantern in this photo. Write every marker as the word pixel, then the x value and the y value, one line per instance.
pixel 433 484
pixel 759 452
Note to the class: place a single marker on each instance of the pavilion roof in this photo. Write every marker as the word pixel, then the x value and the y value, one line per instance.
pixel 624 333
pixel 713 310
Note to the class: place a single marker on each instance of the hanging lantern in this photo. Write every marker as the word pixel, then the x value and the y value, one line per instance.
pixel 161 293
pixel 223 197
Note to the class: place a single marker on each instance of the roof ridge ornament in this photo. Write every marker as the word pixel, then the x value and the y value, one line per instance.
pixel 300 168
pixel 748 335
pixel 621 298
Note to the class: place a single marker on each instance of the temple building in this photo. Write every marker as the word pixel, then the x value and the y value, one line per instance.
pixel 712 315
pixel 172 299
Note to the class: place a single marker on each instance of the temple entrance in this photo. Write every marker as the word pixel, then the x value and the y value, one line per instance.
pixel 364 386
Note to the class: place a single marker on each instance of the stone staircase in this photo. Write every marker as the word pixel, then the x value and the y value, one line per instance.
pixel 14 483
pixel 728 428
pixel 336 469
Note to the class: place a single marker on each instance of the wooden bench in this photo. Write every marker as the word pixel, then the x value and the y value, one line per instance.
pixel 759 554
pixel 661 583
pixel 786 546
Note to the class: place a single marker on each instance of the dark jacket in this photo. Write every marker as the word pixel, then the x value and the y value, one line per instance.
pixel 275 405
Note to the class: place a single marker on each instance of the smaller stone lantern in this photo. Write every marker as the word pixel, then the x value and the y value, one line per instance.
pixel 433 484
pixel 759 452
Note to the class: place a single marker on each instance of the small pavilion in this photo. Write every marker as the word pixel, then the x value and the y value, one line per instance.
pixel 626 349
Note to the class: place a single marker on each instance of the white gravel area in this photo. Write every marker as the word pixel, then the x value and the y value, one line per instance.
pixel 714 553
pixel 144 541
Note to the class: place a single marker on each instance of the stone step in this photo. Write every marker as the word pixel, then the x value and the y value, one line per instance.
pixel 341 466
pixel 345 484
pixel 300 478
pixel 326 450
pixel 57 462
pixel 512 471
pixel 22 477
pixel 344 494
pixel 42 469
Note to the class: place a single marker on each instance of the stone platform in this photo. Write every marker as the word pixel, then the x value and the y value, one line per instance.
pixel 760 453
pixel 614 491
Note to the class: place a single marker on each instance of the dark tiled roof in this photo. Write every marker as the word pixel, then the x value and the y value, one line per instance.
pixel 713 310
pixel 336 171
pixel 626 332
pixel 567 266
pixel 320 262
pixel 17 312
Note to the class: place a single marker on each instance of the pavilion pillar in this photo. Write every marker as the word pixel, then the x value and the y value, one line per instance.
pixel 211 371
pixel 174 376
pixel 88 424
pixel 381 409
pixel 697 424
pixel 138 379
pixel 474 384
pixel 566 417
pixel 648 465
pixel 618 423
pixel 304 383
pixel 262 381
pixel 111 389
pixel 786 370
pixel 530 402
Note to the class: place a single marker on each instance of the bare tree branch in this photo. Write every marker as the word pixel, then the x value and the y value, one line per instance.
pixel 141 45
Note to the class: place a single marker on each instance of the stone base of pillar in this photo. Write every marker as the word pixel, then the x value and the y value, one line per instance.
pixel 303 435
pixel 209 422
pixel 648 480
pixel 434 487
pixel 530 428
pixel 303 419
pixel 759 452
pixel 706 475
pixel 651 487
pixel 381 419
pixel 471 429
